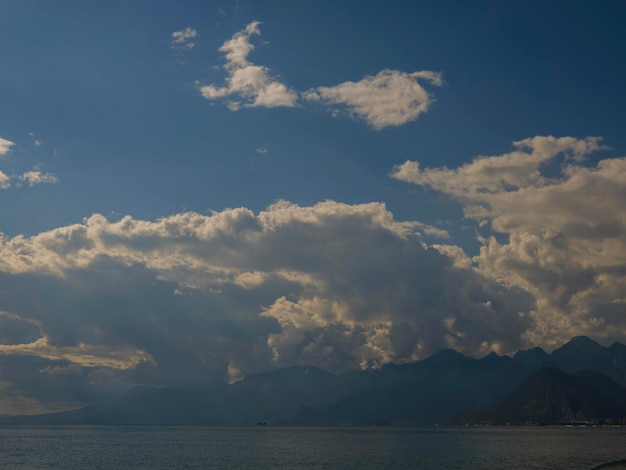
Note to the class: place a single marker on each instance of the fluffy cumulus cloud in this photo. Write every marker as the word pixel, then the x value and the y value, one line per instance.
pixel 197 298
pixel 566 228
pixel 248 84
pixel 389 98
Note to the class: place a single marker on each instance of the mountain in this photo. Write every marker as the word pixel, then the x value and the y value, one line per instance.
pixel 552 396
pixel 441 388
pixel 580 353
pixel 581 379
pixel 531 358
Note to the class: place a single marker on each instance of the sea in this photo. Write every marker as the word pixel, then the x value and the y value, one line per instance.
pixel 261 447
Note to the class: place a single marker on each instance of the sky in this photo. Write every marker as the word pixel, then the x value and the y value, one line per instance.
pixel 192 191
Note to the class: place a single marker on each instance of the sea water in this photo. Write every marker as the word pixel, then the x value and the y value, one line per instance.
pixel 150 447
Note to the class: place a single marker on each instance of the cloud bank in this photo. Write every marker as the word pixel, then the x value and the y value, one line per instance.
pixel 565 224
pixel 194 298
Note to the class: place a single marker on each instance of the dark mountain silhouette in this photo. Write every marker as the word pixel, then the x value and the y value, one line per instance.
pixel 580 353
pixel 446 387
pixel 535 357
pixel 552 396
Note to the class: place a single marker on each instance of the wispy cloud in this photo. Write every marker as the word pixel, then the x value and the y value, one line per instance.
pixel 251 85
pixel 389 98
pixel 32 177
pixel 36 141
pixel 37 177
pixel 184 39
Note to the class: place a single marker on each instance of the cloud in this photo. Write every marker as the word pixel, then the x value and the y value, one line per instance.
pixel 193 298
pixel 36 141
pixel 184 39
pixel 565 225
pixel 485 177
pixel 5 146
pixel 251 85
pixel 31 177
pixel 5 181
pixel 389 98
pixel 82 354
pixel 37 177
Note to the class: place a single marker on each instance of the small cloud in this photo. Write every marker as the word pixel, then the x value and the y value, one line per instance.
pixel 184 39
pixel 36 141
pixel 37 177
pixel 5 181
pixel 5 146
pixel 248 81
pixel 389 98
pixel 262 150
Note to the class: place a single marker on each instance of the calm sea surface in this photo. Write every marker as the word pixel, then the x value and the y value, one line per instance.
pixel 125 447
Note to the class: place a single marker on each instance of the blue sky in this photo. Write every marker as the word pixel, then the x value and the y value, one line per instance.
pixel 193 191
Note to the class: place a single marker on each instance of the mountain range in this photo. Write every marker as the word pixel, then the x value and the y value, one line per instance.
pixel 580 381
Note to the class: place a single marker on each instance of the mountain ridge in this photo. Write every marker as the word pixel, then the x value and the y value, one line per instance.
pixel 446 387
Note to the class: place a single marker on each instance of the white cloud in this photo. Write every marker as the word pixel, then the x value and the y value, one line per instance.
pixel 184 39
pixel 390 98
pixel 37 177
pixel 250 83
pixel 31 177
pixel 36 141
pixel 5 146
pixel 566 229
pixel 5 181
pixel 486 176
